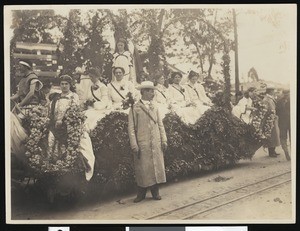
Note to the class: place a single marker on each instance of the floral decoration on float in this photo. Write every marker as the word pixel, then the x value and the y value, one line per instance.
pixel 263 121
pixel 44 160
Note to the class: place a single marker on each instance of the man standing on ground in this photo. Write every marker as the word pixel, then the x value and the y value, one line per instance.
pixel 284 121
pixel 148 141
pixel 273 141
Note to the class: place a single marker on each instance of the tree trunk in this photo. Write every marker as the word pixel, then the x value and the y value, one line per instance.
pixel 236 57
pixel 156 48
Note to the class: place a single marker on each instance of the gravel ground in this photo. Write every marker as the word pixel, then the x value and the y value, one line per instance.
pixel 273 206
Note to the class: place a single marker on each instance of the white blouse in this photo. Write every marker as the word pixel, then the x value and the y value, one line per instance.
pixel 64 103
pixel 197 93
pixel 178 95
pixel 161 95
pixel 123 87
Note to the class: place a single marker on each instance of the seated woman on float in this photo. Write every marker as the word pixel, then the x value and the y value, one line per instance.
pixel 161 95
pixel 97 101
pixel 197 93
pixel 119 90
pixel 60 103
pixel 180 101
pixel 244 107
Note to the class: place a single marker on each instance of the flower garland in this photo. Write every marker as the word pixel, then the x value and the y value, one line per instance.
pixel 263 121
pixel 40 157
pixel 215 140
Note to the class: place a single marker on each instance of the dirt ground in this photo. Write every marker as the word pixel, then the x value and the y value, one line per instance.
pixel 273 206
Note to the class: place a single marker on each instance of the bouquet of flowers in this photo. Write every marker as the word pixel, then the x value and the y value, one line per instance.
pixel 128 101
pixel 88 103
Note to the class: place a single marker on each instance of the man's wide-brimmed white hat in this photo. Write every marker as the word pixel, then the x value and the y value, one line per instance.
pixel 146 85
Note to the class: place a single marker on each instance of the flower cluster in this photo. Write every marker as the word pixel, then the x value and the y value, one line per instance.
pixel 88 103
pixel 128 101
pixel 45 160
pixel 37 123
pixel 112 152
pixel 263 121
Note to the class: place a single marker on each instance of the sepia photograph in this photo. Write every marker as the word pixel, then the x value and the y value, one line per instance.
pixel 150 114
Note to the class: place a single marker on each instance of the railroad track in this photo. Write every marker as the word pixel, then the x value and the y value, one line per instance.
pixel 196 208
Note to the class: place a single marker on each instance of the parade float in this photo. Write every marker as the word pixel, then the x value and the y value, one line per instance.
pixel 218 139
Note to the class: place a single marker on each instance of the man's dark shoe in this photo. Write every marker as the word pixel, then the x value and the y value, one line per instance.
pixel 141 195
pixel 158 198
pixel 138 199
pixel 273 155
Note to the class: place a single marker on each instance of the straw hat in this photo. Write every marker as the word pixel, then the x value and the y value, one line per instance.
pixel 146 85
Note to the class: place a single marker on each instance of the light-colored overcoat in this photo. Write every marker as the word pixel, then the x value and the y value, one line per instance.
pixel 148 136
pixel 273 140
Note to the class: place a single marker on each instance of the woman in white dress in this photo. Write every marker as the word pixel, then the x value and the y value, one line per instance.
pixel 161 95
pixel 119 89
pixel 123 58
pixel 244 107
pixel 97 93
pixel 197 93
pixel 60 103
pixel 180 101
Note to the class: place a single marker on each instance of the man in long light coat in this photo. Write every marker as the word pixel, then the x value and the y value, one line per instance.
pixel 274 140
pixel 148 141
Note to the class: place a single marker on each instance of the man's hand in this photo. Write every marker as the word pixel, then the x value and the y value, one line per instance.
pixel 136 152
pixel 135 149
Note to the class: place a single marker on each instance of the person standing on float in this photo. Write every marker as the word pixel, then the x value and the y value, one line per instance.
pixel 60 103
pixel 29 86
pixel 148 140
pixel 123 58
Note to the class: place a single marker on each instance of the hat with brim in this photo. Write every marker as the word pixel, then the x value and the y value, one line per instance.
pixel 146 85
pixel 66 78
pixel 26 64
